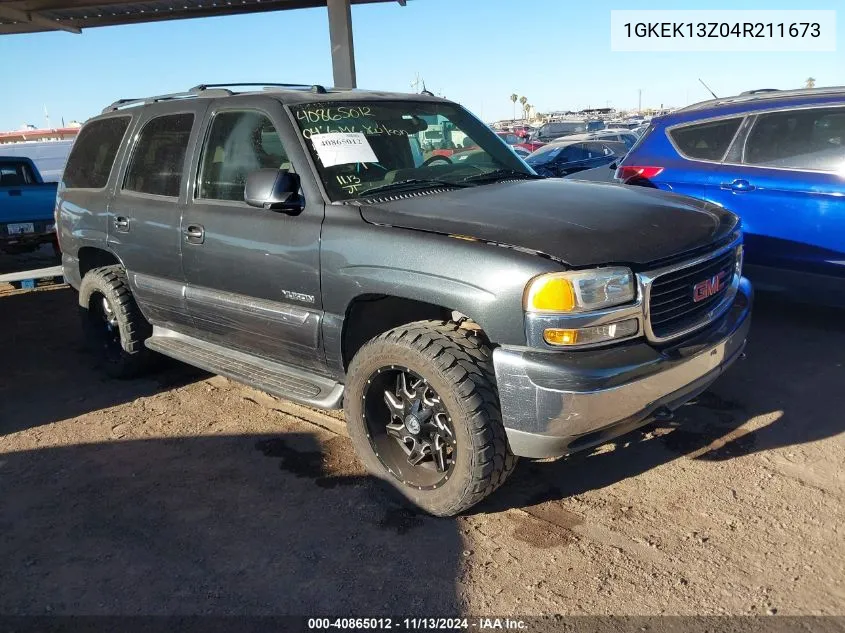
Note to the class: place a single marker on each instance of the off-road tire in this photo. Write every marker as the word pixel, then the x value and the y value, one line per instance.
pixel 458 364
pixel 132 359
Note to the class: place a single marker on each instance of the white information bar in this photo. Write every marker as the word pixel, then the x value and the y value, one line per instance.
pixel 723 30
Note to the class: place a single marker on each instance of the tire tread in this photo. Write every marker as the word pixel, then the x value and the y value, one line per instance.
pixel 112 282
pixel 467 359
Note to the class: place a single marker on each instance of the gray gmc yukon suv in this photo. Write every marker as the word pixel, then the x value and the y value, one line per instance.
pixel 317 244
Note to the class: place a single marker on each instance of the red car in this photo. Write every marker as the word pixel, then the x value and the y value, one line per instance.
pixel 522 131
pixel 513 138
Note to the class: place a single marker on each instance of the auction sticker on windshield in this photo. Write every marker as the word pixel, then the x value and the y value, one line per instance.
pixel 343 148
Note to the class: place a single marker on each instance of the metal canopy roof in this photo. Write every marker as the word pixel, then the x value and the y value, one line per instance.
pixel 30 16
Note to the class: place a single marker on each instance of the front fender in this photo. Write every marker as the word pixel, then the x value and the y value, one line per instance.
pixel 483 281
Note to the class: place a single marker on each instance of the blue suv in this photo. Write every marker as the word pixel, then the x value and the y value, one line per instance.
pixel 777 158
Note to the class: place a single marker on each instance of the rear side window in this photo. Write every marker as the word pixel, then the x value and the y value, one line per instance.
pixel 574 153
pixel 801 139
pixel 91 159
pixel 159 156
pixel 596 150
pixel 705 141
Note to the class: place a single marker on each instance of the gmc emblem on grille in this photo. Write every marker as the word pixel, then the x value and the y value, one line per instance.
pixel 708 287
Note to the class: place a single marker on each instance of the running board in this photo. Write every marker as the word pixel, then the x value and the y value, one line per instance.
pixel 281 380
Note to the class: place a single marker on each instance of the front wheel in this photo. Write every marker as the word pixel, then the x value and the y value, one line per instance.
pixel 423 414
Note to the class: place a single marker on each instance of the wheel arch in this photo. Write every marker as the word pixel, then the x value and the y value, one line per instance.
pixel 370 314
pixel 91 257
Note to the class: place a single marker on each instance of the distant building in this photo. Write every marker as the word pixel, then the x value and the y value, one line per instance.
pixel 31 133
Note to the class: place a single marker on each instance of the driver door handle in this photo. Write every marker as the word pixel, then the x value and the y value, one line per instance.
pixel 194 234
pixel 738 185
pixel 121 224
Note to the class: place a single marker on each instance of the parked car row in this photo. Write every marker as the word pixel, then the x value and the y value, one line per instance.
pixel 566 156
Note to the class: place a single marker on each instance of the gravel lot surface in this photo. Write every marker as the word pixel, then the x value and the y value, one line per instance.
pixel 185 493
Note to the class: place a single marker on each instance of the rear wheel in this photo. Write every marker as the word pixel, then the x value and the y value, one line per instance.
pixel 114 327
pixel 423 414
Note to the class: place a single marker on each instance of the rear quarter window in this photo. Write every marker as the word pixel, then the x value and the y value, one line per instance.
pixel 812 139
pixel 92 156
pixel 705 141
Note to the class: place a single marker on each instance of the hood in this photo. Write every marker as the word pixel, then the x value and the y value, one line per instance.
pixel 578 223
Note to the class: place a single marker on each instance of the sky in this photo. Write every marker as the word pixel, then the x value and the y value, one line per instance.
pixel 477 52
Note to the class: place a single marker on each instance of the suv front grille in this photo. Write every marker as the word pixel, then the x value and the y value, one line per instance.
pixel 681 299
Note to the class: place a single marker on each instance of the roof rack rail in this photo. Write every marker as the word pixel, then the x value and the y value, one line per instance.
pixel 210 90
pixel 122 103
pixel 260 84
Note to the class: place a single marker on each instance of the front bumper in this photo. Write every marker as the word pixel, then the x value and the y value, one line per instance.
pixel 554 403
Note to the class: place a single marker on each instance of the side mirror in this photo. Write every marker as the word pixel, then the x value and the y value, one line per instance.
pixel 275 189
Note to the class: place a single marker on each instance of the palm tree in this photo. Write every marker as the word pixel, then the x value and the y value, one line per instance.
pixel 810 82
pixel 514 98
pixel 523 101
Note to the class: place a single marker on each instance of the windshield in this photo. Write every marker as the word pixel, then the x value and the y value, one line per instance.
pixel 360 146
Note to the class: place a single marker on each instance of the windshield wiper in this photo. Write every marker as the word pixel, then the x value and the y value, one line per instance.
pixel 410 185
pixel 500 174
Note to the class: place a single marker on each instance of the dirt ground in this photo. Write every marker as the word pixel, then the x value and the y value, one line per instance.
pixel 185 493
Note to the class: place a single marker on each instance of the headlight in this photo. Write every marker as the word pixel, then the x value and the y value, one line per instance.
pixel 580 291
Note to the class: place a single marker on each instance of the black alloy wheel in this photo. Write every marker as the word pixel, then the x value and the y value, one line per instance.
pixel 409 428
pixel 422 409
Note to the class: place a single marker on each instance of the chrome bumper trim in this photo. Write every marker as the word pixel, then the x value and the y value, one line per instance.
pixel 545 421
